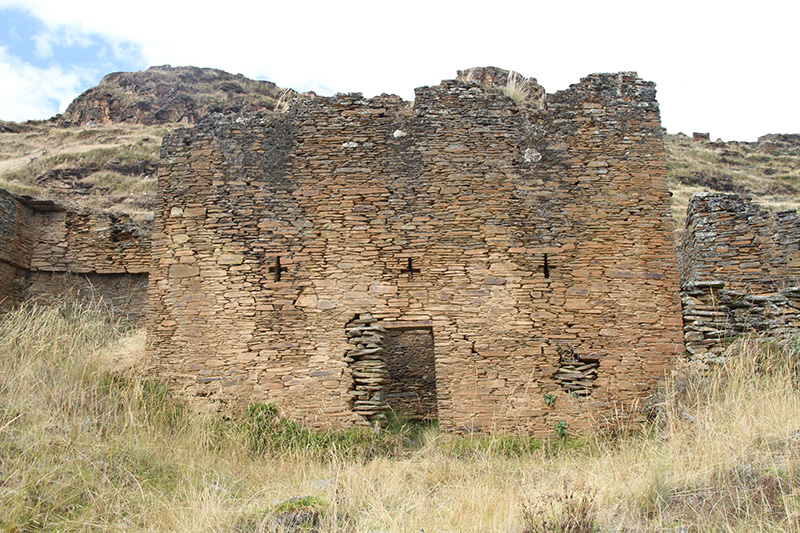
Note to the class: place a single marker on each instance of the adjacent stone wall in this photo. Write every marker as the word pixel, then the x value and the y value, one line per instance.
pixel 79 242
pixel 511 233
pixel 740 271
pixel 17 236
pixel 12 285
pixel 731 238
pixel 17 231
pixel 124 295
pixel 715 316
pixel 47 251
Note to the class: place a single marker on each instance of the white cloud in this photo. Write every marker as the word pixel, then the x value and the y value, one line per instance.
pixel 29 92
pixel 60 36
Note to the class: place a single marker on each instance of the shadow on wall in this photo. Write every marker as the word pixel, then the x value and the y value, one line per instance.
pixel 123 295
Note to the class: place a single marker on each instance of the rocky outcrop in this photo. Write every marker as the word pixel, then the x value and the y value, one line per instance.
pixel 165 94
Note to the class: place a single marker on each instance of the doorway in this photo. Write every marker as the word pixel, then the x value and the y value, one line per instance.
pixel 410 361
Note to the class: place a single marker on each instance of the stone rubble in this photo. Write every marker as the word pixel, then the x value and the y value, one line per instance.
pixel 370 374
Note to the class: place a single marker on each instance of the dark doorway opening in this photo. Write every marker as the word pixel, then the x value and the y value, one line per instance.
pixel 412 374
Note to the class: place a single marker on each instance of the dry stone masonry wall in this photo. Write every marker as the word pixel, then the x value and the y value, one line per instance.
pixel 714 317
pixel 505 234
pixel 731 238
pixel 48 251
pixel 487 261
pixel 367 360
pixel 740 273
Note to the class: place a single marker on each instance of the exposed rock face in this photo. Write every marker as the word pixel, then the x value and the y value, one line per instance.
pixel 166 94
pixel 9 127
pixel 777 142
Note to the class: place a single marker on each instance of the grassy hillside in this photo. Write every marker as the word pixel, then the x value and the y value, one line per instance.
pixel 102 167
pixel 88 443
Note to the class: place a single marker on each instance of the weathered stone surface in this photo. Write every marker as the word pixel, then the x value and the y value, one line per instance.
pixel 730 240
pixel 739 268
pixel 506 230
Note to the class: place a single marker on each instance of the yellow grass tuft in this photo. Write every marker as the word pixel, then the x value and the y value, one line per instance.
pixel 517 88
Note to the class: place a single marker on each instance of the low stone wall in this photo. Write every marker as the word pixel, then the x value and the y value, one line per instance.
pixel 12 285
pixel 713 316
pixel 729 237
pixel 82 242
pixel 125 295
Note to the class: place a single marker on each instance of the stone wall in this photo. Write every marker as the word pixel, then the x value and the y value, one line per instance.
pixel 18 235
pixel 47 251
pixel 731 238
pixel 124 295
pixel 513 234
pixel 12 285
pixel 714 317
pixel 740 271
pixel 81 242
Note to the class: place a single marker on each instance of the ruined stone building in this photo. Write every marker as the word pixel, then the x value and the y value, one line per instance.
pixel 459 259
pixel 740 272
pixel 491 263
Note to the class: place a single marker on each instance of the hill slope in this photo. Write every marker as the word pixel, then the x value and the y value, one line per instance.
pixel 767 170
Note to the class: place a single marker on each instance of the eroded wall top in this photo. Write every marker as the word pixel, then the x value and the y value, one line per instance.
pixel 730 238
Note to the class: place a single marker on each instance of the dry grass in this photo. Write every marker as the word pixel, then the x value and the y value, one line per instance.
pixel 87 443
pixel 102 164
pixel 517 88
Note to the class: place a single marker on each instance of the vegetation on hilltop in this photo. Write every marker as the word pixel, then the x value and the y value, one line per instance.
pixel 87 442
pixel 165 95
pixel 768 170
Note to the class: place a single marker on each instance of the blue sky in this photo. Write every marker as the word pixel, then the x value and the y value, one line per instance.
pixel 727 68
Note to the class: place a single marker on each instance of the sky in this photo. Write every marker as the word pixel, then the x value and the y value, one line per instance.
pixel 728 68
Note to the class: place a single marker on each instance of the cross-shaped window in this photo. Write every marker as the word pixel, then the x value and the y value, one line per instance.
pixel 277 268
pixel 410 270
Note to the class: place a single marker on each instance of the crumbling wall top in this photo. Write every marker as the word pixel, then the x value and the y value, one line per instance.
pixel 730 238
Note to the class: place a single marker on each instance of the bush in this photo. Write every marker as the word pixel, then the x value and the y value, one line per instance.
pixel 566 511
